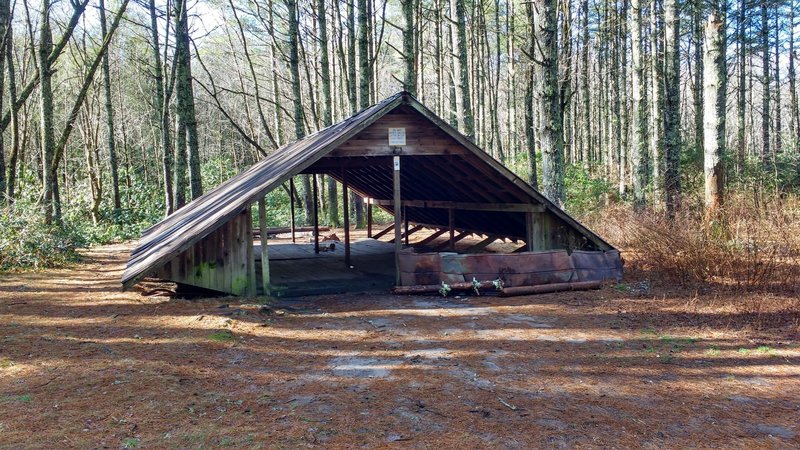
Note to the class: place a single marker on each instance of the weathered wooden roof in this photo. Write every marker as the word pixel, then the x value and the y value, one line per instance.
pixel 426 179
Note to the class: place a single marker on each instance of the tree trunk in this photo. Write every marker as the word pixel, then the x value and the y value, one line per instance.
pixel 624 144
pixel 778 115
pixel 12 100
pixel 466 104
pixel 795 111
pixel 5 30
pixel 110 142
pixel 656 105
pixel 161 113
pixel 185 98
pixel 741 90
pixel 586 150
pixel 697 85
pixel 715 85
pixel 327 106
pixel 548 105
pixel 365 83
pixel 672 125
pixel 765 97
pixel 530 111
pixel 455 104
pixel 639 147
pixel 409 52
pixel 48 140
pixel 299 115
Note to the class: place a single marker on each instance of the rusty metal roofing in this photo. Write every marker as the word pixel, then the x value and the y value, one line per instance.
pixel 430 179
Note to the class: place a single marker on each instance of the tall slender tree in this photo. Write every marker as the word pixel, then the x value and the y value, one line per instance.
pixel 656 104
pixel 299 113
pixel 184 91
pixel 639 148
pixel 409 51
pixel 548 105
pixel 463 65
pixel 110 136
pixel 672 108
pixel 766 83
pixel 716 83
pixel 327 105
pixel 48 140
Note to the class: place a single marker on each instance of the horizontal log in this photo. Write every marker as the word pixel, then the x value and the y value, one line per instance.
pixel 547 288
pixel 435 288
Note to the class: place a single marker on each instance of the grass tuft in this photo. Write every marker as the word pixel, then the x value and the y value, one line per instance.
pixel 222 336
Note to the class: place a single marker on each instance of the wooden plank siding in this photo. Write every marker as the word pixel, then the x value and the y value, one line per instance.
pixel 222 261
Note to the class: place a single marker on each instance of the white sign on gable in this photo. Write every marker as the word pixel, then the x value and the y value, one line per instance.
pixel 397 137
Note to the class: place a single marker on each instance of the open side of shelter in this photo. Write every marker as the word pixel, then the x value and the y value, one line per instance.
pixel 401 158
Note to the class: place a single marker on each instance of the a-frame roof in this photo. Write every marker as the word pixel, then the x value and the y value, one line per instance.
pixel 198 219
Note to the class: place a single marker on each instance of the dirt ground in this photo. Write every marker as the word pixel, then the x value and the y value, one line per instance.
pixel 83 365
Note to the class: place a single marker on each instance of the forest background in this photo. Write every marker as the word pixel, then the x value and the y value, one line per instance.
pixel 670 126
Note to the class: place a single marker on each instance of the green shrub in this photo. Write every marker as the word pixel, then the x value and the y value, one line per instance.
pixel 26 242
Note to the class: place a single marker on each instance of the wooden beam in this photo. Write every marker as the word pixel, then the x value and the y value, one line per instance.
pixel 432 237
pixel 315 211
pixel 408 233
pixel 458 237
pixel 469 206
pixel 483 244
pixel 384 232
pixel 373 148
pixel 291 206
pixel 398 219
pixel 346 209
pixel 262 223
pixel 329 165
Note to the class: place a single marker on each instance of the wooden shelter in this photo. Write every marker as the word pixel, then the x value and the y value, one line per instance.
pixel 396 153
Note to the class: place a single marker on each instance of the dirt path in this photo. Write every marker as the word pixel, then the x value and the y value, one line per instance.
pixel 84 365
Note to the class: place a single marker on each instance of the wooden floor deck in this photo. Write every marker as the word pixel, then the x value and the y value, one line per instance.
pixel 295 269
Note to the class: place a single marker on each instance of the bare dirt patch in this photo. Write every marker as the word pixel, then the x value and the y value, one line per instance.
pixel 84 365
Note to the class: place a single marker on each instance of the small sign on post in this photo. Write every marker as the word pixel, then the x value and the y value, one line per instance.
pixel 397 163
pixel 397 137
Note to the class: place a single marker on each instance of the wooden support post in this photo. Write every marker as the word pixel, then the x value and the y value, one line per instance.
pixel 450 221
pixel 398 218
pixel 262 223
pixel 315 210
pixel 369 217
pixel 346 209
pixel 250 253
pixel 533 230
pixel 291 206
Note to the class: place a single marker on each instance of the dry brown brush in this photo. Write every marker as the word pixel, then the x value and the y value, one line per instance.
pixel 744 248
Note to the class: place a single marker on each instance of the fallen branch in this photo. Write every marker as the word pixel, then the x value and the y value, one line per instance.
pixel 507 405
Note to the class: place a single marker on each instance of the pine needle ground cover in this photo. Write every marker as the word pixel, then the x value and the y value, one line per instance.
pixel 640 363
